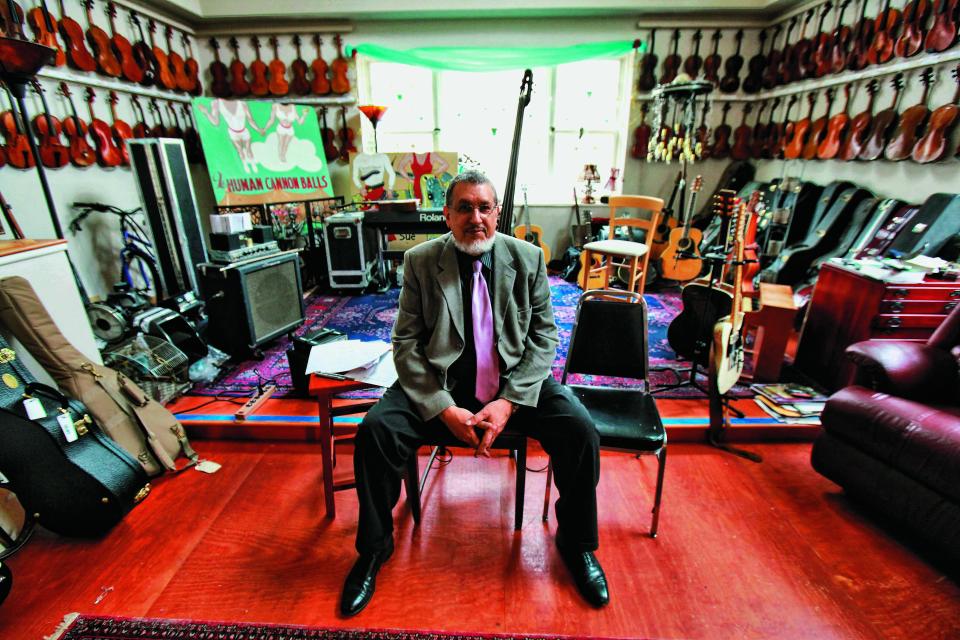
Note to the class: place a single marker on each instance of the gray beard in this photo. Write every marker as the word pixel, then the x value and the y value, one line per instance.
pixel 475 248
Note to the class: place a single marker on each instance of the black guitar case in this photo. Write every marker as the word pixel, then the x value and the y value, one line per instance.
pixel 799 200
pixel 935 223
pixel 734 177
pixel 792 264
pixel 861 215
pixel 897 221
pixel 79 488
pixel 882 213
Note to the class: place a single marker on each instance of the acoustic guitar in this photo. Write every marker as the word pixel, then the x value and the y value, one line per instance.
pixel 856 135
pixel 932 147
pixel 648 65
pixel 671 63
pixel 124 50
pixel 882 124
pixel 320 85
pixel 220 87
pixel 45 31
pixel 530 232
pixel 681 259
pixel 910 42
pixel 239 86
pixel 299 69
pixel 911 124
pixel 730 81
pixel 53 153
pixel 72 33
pixel 81 153
pixel 108 155
pixel 836 127
pixel 259 85
pixel 339 83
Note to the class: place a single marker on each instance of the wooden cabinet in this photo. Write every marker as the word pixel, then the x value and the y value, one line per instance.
pixel 848 306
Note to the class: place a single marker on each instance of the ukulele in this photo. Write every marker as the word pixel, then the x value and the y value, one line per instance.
pixel 641 135
pixel 771 75
pixel 884 37
pixel 943 33
pixel 761 130
pixel 81 153
pixel 140 129
pixel 915 16
pixel 17 150
pixel 882 124
pixel 711 64
pixel 299 68
pixel 798 53
pixel 175 61
pixel 757 65
pixel 121 46
pixel 933 145
pixel 530 232
pixel 830 146
pixel 238 72
pixel 819 56
pixel 856 135
pixel 693 63
pixel 278 84
pixel 667 222
pixel 862 38
pixel 781 132
pixel 346 137
pixel 329 149
pixel 45 31
pixel 259 85
pixel 120 129
pixel 220 87
pixel 721 137
pixel 143 55
pixel 842 37
pixel 671 64
pixel 320 85
pixel 100 42
pixel 681 259
pixel 741 136
pixel 648 65
pixel 53 153
pixel 339 83
pixel 726 362
pixel 731 68
pixel 192 68
pixel 107 153
pixel 818 129
pixel 72 33
pixel 164 73
pixel 911 124
pixel 801 129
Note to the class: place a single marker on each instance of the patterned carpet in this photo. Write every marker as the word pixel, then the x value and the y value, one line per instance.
pixel 371 317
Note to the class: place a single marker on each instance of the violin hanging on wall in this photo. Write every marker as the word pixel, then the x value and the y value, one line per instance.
pixel 53 153
pixel 259 85
pixel 842 38
pixel 238 72
pixel 143 55
pixel 299 69
pixel 641 135
pixel 164 74
pixel 856 135
pixel 100 42
pixel 346 137
pixel 192 68
pixel 175 60
pixel 911 123
pixel 648 65
pixel 81 153
pixel 757 65
pixel 693 63
pixel 72 33
pixel 932 147
pixel 320 85
pixel 120 129
pixel 943 33
pixel 818 129
pixel 124 50
pixel 220 86
pixel 910 42
pixel 711 64
pixel 721 137
pixel 45 31
pixel 671 64
pixel 830 146
pixel 730 81
pixel 108 155
pixel 881 126
pixel 339 82
pixel 326 133
pixel 278 72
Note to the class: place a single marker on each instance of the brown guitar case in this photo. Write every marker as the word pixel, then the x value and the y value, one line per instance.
pixel 137 422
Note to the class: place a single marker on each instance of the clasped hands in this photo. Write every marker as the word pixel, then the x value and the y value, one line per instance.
pixel 490 420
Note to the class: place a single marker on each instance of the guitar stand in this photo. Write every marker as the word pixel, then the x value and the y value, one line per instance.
pixel 718 422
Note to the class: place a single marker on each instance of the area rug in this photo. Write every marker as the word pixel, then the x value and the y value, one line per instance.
pixel 83 627
pixel 371 316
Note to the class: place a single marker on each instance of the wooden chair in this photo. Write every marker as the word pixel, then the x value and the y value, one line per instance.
pixel 614 253
pixel 610 339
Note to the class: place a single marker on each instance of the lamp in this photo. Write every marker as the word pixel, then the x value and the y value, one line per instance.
pixel 373 112
pixel 589 176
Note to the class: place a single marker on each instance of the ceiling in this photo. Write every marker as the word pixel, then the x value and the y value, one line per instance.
pixel 201 13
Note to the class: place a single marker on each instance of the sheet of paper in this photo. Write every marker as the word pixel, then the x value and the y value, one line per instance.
pixel 382 374
pixel 345 355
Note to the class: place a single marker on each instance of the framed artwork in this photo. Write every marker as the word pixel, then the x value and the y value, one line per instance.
pixel 289 219
pixel 257 212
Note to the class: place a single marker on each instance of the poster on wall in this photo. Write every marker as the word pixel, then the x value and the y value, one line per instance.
pixel 262 152
pixel 403 175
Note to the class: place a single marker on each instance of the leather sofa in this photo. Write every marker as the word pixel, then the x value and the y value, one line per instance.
pixel 892 439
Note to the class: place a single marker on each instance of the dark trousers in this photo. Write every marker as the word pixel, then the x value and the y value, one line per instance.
pixel 392 431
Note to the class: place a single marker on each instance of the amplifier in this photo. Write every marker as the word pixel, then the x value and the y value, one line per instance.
pixel 230 241
pixel 351 251
pixel 244 252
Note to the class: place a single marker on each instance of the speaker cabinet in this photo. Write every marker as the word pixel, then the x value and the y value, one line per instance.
pixel 163 178
pixel 252 302
pixel 351 251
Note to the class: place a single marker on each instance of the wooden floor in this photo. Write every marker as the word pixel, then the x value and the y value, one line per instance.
pixel 746 550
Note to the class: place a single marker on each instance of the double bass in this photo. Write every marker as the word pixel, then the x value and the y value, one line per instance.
pixel 505 223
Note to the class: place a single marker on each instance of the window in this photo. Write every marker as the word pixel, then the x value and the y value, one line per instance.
pixel 577 114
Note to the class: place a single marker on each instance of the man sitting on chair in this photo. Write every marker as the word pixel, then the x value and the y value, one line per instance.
pixel 473 344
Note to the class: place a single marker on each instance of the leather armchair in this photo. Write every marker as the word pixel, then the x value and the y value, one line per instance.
pixel 892 439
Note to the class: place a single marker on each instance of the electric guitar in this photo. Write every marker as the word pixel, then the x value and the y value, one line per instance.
pixel 530 232
pixel 681 259
pixel 726 361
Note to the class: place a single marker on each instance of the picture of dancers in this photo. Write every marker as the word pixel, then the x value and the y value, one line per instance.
pixel 237 116
pixel 284 115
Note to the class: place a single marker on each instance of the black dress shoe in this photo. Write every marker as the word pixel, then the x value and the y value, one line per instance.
pixel 361 581
pixel 588 576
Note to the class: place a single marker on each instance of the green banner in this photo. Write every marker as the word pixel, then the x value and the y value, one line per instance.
pixel 262 152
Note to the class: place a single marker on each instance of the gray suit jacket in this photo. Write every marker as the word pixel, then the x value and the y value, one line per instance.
pixel 428 336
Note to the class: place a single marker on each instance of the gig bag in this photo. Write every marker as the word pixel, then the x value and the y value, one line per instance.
pixel 137 422
pixel 72 478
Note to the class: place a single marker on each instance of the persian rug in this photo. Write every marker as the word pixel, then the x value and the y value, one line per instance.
pixel 371 316
pixel 83 627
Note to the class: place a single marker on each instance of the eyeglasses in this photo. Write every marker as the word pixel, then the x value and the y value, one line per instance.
pixel 485 208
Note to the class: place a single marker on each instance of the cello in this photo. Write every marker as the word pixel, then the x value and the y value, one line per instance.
pixel 107 153
pixel 915 16
pixel 828 149
pixel 882 124
pixel 648 65
pixel 120 129
pixel 339 83
pixel 259 85
pixel 856 135
pixel 278 72
pixel 72 33
pixel 45 31
pixel 671 64
pixel 911 124
pixel 53 153
pixel 102 45
pixel 757 65
pixel 505 222
pixel 81 153
pixel 711 64
pixel 320 85
pixel 730 81
pixel 124 50
pixel 238 72
pixel 299 68
pixel 933 145
pixel 220 87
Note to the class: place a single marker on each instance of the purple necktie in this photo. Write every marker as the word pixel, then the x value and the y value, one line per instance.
pixel 488 367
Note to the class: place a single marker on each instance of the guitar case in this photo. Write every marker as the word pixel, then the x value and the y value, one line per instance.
pixel 861 215
pixel 934 224
pixel 792 264
pixel 65 471
pixel 882 212
pixel 734 177
pixel 895 223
